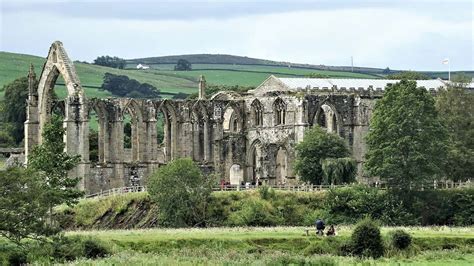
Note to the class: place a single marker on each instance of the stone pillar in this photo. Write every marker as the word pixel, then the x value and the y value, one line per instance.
pixel 202 88
pixel 151 153
pixel 195 140
pixel 32 133
pixel 217 137
pixel 77 135
pixel 207 142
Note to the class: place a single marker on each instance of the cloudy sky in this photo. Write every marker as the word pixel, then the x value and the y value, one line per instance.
pixel 404 34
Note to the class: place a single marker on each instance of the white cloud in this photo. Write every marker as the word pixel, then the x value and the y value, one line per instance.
pixel 376 37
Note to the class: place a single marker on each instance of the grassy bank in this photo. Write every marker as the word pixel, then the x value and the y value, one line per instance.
pixel 282 208
pixel 274 245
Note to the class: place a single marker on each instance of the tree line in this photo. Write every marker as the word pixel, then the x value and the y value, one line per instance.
pixel 109 61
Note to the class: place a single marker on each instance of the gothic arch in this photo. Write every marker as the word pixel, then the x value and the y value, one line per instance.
pixel 256 113
pixel 75 120
pixel 327 117
pixel 279 112
pixel 170 140
pixel 138 134
pixel 254 161
pixel 232 119
pixel 100 110
pixel 58 63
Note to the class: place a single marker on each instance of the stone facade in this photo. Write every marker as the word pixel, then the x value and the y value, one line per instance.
pixel 241 137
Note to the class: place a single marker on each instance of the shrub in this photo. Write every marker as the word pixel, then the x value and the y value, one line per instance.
pixel 66 248
pixel 254 212
pixel 367 240
pixel 17 257
pixel 400 239
pixel 266 192
pixel 93 249
pixel 348 205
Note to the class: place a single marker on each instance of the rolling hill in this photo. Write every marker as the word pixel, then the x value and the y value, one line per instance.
pixel 162 76
pixel 218 70
pixel 232 62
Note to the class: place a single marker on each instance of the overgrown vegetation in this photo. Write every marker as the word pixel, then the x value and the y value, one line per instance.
pixel 264 208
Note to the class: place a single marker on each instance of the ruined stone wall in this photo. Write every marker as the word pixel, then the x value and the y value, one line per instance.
pixel 241 138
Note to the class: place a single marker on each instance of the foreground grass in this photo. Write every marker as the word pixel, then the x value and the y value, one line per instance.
pixel 189 257
pixel 262 232
pixel 273 246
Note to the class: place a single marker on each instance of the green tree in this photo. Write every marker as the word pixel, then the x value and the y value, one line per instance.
pixel 14 107
pixel 406 140
pixel 182 193
pixel 456 110
pixel 410 75
pixel 123 86
pixel 22 206
pixel 110 61
pixel 316 146
pixel 338 170
pixel 182 65
pixel 53 164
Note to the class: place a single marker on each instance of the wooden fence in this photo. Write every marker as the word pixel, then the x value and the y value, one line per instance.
pixel 309 188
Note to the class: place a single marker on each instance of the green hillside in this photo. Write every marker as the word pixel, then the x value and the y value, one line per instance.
pixel 162 76
pixel 222 61
pixel 218 70
pixel 13 66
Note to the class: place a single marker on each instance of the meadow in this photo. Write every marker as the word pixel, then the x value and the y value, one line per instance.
pixel 162 77
pixel 273 245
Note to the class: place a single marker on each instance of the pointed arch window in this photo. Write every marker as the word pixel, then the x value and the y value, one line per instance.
pixel 279 111
pixel 256 114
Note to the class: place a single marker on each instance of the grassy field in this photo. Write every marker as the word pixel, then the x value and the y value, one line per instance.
pixel 163 77
pixel 273 245
pixel 13 66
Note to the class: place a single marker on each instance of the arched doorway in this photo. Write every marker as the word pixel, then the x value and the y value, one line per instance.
pixel 281 171
pixel 254 162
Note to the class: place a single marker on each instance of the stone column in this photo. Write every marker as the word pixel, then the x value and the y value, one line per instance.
pixel 32 133
pixel 207 142
pixel 77 135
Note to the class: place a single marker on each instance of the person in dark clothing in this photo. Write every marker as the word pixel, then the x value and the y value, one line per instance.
pixel 320 227
pixel 331 231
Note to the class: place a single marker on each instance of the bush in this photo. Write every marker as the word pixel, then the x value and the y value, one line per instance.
pixel 92 249
pixel 266 192
pixel 400 239
pixel 254 212
pixel 367 240
pixel 17 257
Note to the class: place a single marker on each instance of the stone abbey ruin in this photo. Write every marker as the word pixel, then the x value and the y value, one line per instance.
pixel 241 137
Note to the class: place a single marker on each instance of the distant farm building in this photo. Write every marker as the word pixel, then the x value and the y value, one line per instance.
pixel 144 67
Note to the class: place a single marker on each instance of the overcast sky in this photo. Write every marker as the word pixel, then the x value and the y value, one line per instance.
pixel 409 34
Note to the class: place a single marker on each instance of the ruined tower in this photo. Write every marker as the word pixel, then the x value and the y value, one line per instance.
pixel 202 88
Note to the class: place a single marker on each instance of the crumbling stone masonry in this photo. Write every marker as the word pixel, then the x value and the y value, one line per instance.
pixel 241 137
